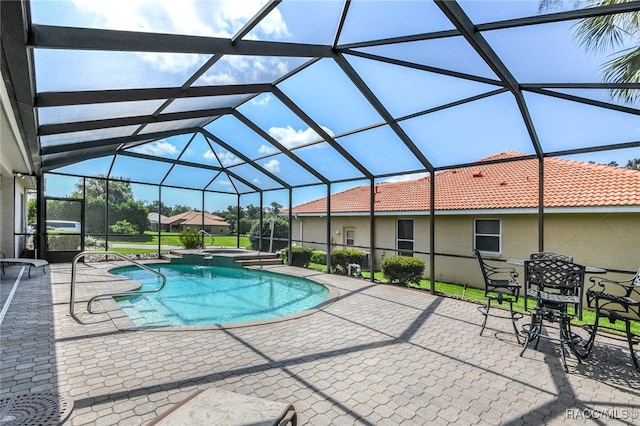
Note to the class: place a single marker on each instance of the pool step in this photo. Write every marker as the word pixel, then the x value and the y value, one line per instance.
pixel 169 256
pixel 244 259
pixel 263 259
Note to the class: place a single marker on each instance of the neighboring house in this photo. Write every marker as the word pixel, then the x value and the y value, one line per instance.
pixel 155 219
pixel 214 225
pixel 592 212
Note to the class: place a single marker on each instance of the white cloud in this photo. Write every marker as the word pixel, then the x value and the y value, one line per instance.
pixel 172 62
pixel 292 138
pixel 247 69
pixel 261 100
pixel 212 18
pixel 160 148
pixel 273 166
pixel 405 178
pixel 209 155
pixel 228 159
pixel 265 149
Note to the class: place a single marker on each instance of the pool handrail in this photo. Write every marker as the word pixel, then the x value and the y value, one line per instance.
pixel 125 293
pixel 203 232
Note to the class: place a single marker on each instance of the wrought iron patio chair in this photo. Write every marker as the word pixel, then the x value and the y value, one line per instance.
pixel 550 255
pixel 615 301
pixel 557 287
pixel 546 255
pixel 500 286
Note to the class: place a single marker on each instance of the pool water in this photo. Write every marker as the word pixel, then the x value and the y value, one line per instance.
pixel 206 295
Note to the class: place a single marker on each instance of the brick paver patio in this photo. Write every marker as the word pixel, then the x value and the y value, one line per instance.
pixel 379 355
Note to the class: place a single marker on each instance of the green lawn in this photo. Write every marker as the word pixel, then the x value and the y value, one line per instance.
pixel 173 239
pixel 476 295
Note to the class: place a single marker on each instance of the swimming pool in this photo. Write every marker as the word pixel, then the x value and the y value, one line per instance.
pixel 209 295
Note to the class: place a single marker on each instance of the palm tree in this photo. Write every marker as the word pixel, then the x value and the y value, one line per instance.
pixel 119 190
pixel 609 33
pixel 603 33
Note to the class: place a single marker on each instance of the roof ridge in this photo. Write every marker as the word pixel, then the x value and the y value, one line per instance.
pixel 497 185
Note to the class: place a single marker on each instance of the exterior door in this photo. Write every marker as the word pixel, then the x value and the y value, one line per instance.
pixel 64 229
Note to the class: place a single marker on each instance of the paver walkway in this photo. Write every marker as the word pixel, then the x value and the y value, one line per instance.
pixel 379 355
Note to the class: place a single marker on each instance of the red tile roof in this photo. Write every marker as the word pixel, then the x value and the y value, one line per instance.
pixel 503 185
pixel 195 218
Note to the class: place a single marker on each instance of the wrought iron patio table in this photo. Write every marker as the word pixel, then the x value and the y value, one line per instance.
pixel 557 287
pixel 587 269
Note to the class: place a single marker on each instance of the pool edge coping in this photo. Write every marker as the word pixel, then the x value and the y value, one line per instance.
pixel 123 323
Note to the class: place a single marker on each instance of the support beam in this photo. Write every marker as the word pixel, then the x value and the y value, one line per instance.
pixel 88 97
pixel 55 37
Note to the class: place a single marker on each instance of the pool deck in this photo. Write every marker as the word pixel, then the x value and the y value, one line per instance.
pixel 378 355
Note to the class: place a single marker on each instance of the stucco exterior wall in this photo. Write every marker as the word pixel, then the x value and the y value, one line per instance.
pixel 605 240
pixel 12 191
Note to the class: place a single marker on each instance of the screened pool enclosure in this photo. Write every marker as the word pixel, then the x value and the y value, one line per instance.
pixel 212 104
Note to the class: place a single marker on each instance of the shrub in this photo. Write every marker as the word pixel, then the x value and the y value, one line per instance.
pixel 340 259
pixel 190 239
pixel 123 227
pixel 90 241
pixel 319 257
pixel 63 242
pixel 280 231
pixel 301 256
pixel 403 269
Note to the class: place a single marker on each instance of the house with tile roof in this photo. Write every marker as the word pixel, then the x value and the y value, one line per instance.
pixel 591 212
pixel 211 223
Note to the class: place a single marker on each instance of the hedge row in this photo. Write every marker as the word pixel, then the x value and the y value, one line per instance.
pixel 340 259
pixel 397 269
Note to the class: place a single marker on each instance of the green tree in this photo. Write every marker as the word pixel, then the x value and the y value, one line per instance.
pixel 252 212
pixel 246 224
pixel 119 190
pixel 231 216
pixel 131 211
pixel 275 209
pixel 608 34
pixel 157 206
pixel 179 208
pixel 633 164
pixel 32 211
pixel 280 234
pixel 95 215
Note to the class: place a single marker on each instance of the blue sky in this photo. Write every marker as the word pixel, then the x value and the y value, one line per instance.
pixel 464 133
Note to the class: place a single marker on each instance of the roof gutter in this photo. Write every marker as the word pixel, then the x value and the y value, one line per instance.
pixel 513 211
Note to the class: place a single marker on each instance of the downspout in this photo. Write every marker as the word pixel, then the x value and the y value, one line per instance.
pixel 301 229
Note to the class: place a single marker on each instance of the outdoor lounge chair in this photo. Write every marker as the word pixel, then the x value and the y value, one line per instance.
pixel 500 286
pixel 615 301
pixel 215 406
pixel 31 263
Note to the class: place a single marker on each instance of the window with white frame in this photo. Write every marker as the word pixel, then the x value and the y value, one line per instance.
pixel 405 237
pixel 488 235
pixel 349 236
